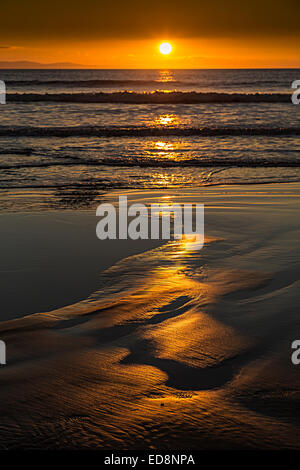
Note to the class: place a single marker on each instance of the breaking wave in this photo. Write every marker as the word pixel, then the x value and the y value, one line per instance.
pixel 197 162
pixel 145 131
pixel 157 97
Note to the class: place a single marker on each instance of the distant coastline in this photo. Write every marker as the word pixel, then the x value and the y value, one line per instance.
pixel 26 64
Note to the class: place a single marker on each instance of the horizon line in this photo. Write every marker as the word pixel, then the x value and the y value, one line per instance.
pixel 149 68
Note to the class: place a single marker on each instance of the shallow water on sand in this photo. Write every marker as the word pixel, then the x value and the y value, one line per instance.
pixel 216 324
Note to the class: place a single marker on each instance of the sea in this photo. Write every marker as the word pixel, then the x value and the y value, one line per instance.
pixel 70 136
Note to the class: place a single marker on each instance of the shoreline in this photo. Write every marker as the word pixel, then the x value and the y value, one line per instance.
pixel 216 324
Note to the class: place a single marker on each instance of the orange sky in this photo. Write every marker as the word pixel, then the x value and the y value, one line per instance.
pixel 126 34
pixel 186 53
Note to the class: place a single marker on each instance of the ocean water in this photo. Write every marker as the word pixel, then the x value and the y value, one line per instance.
pixel 68 136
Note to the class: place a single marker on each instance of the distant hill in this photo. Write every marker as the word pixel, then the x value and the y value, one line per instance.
pixel 25 64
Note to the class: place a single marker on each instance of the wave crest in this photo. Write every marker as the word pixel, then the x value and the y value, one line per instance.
pixel 136 131
pixel 157 97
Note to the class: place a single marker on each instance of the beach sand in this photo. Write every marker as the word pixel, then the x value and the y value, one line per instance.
pixel 165 348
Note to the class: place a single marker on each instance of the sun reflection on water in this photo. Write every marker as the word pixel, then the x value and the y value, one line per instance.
pixel 166 150
pixel 164 146
pixel 166 76
pixel 166 120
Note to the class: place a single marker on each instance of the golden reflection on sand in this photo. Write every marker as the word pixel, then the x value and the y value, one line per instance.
pixel 109 372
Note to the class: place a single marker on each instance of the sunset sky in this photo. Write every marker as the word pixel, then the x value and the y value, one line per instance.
pixel 127 34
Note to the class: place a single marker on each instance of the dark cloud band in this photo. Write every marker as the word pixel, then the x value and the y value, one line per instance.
pixel 92 19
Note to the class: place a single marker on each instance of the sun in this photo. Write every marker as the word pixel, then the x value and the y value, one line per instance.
pixel 165 48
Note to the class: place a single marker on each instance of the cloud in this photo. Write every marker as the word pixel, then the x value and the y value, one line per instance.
pixel 100 19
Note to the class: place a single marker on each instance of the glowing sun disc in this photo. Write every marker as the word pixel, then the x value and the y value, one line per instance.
pixel 165 48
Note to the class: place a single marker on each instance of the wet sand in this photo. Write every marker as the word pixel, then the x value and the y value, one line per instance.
pixel 174 349
pixel 52 259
